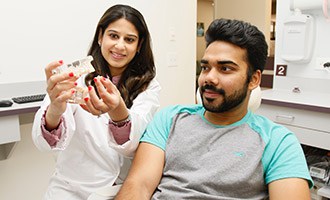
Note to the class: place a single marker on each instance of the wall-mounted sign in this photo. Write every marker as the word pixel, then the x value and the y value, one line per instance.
pixel 281 70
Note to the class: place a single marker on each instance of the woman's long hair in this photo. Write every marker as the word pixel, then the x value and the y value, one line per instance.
pixel 141 70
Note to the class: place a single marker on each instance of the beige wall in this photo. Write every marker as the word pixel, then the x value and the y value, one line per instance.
pixel 172 24
pixel 256 12
pixel 25 174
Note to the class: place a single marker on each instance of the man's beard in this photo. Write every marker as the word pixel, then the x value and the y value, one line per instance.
pixel 228 103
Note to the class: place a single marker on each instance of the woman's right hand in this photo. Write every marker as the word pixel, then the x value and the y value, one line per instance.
pixel 60 87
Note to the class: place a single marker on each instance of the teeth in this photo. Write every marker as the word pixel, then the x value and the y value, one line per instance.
pixel 117 55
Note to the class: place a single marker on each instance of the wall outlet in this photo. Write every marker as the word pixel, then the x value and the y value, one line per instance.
pixel 172 34
pixel 322 64
pixel 172 59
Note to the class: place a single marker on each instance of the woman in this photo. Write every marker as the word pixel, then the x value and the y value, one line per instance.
pixel 92 139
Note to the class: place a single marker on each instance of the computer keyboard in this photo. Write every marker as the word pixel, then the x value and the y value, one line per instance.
pixel 30 98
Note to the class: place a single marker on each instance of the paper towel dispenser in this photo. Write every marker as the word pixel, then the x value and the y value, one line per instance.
pixel 298 38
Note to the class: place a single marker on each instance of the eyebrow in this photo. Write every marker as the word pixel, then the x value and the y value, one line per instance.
pixel 221 62
pixel 204 61
pixel 130 35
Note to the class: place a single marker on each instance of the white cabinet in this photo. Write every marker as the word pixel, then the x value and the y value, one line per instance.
pixel 307 115
pixel 9 135
pixel 312 128
pixel 9 129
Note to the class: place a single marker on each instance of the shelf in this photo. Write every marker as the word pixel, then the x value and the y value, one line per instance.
pixel 324 191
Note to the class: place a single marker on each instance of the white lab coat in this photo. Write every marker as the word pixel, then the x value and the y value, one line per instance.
pixel 88 157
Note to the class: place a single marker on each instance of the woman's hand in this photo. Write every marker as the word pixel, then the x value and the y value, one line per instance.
pixel 109 100
pixel 60 87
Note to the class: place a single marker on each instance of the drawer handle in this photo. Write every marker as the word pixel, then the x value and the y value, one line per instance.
pixel 287 117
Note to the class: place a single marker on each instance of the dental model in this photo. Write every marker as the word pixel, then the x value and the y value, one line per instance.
pixel 79 67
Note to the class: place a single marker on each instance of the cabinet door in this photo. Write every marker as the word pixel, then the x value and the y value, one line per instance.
pixel 311 128
pixel 9 129
pixel 295 117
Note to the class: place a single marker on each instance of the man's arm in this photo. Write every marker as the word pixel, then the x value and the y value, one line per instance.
pixel 289 188
pixel 145 173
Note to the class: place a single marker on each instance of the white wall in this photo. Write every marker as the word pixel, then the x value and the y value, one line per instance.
pixel 303 75
pixel 35 32
pixel 173 29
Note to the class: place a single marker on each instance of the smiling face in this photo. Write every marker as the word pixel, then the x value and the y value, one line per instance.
pixel 119 44
pixel 223 80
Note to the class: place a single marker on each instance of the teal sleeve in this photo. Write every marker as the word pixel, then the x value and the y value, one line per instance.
pixel 158 129
pixel 284 158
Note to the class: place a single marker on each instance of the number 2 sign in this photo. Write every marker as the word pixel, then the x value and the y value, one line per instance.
pixel 281 70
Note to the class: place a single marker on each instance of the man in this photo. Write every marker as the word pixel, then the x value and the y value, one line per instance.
pixel 220 150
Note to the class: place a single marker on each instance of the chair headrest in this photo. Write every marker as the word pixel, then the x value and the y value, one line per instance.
pixel 255 99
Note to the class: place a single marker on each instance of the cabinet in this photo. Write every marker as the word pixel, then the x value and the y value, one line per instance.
pixel 10 116
pixel 307 115
pixel 311 127
pixel 9 134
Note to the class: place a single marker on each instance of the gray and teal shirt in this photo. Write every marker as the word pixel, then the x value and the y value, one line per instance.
pixel 207 161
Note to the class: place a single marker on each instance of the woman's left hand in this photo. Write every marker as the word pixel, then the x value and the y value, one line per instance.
pixel 109 97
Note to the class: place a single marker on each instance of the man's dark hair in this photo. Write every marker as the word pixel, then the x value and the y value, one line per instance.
pixel 241 34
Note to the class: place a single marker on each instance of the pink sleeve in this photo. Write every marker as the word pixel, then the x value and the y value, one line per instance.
pixel 53 136
pixel 120 132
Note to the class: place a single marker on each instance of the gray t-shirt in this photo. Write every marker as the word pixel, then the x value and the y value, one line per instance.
pixel 206 161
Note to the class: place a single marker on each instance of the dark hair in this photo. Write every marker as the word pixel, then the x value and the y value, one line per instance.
pixel 141 70
pixel 241 34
